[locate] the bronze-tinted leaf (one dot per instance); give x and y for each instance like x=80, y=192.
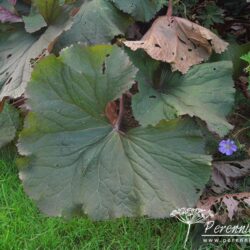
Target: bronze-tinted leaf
x=226, y=175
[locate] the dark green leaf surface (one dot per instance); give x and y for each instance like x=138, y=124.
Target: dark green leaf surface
x=97, y=22
x=206, y=91
x=141, y=10
x=9, y=121
x=76, y=161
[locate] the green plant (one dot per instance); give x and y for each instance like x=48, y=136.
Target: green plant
x=207, y=13
x=111, y=132
x=210, y=15
x=246, y=58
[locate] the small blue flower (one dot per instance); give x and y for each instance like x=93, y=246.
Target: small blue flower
x=227, y=147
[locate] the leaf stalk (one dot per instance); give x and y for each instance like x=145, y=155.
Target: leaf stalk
x=170, y=8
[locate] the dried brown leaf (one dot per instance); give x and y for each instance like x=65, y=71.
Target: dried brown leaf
x=179, y=42
x=232, y=206
x=226, y=175
x=230, y=201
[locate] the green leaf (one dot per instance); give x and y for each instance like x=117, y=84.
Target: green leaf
x=49, y=9
x=15, y=65
x=9, y=122
x=19, y=51
x=77, y=162
x=211, y=15
x=34, y=22
x=246, y=57
x=97, y=22
x=233, y=53
x=141, y=10
x=206, y=91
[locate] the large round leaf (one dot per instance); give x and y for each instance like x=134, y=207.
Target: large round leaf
x=206, y=91
x=77, y=162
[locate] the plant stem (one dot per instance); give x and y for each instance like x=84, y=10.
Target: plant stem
x=240, y=131
x=242, y=116
x=121, y=112
x=186, y=239
x=170, y=8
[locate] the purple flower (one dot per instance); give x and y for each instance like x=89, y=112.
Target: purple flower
x=227, y=147
x=7, y=16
